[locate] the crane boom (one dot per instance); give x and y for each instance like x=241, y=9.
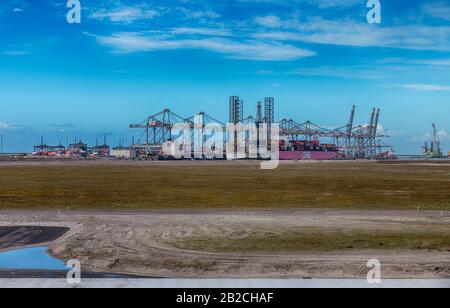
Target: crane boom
x=350, y=123
x=437, y=141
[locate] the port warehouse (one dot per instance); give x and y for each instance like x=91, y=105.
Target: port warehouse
x=298, y=140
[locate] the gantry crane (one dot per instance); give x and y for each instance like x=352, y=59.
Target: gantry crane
x=437, y=142
x=434, y=150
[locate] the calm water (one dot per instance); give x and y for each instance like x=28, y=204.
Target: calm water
x=30, y=258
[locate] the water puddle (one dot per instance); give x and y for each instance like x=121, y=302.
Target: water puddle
x=30, y=259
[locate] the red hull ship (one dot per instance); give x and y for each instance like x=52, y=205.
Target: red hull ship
x=307, y=150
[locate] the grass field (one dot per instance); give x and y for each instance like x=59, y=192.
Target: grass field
x=373, y=186
x=319, y=242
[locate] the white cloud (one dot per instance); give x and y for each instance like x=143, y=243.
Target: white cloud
x=437, y=10
x=125, y=14
x=15, y=53
x=203, y=14
x=419, y=62
x=128, y=42
x=269, y=21
x=424, y=87
x=428, y=137
x=201, y=31
x=350, y=33
x=438, y=62
x=10, y=128
x=423, y=138
x=443, y=134
x=198, y=14
x=17, y=10
x=322, y=4
x=325, y=4
x=350, y=72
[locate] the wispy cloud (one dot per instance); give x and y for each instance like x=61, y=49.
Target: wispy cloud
x=269, y=21
x=200, y=14
x=287, y=29
x=440, y=10
x=127, y=42
x=317, y=30
x=348, y=72
x=201, y=31
x=443, y=136
x=11, y=128
x=424, y=87
x=430, y=62
x=15, y=53
x=125, y=14
x=4, y=125
x=322, y=4
x=435, y=62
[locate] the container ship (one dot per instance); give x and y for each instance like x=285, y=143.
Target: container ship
x=307, y=150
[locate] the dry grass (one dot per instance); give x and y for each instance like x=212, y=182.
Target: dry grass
x=291, y=242
x=225, y=186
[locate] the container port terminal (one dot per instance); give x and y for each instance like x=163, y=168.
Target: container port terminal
x=297, y=141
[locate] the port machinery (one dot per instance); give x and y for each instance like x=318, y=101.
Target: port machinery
x=304, y=139
x=435, y=149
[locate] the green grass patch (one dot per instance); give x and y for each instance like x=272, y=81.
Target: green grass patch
x=233, y=186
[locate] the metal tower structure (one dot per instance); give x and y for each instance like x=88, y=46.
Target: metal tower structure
x=362, y=141
x=349, y=131
x=269, y=118
x=437, y=142
x=158, y=127
x=258, y=113
x=236, y=110
x=236, y=117
x=269, y=110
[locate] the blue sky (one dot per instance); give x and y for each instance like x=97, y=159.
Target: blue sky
x=129, y=59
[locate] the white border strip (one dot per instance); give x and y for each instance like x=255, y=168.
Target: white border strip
x=221, y=283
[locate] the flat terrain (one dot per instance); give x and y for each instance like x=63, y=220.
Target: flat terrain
x=233, y=220
x=264, y=244
x=224, y=185
x=40, y=274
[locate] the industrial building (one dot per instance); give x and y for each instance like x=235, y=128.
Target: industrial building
x=99, y=150
x=122, y=152
x=49, y=150
x=78, y=149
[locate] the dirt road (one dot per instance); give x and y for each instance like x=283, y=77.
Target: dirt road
x=154, y=244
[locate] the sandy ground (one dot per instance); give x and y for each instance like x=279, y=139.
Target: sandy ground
x=140, y=243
